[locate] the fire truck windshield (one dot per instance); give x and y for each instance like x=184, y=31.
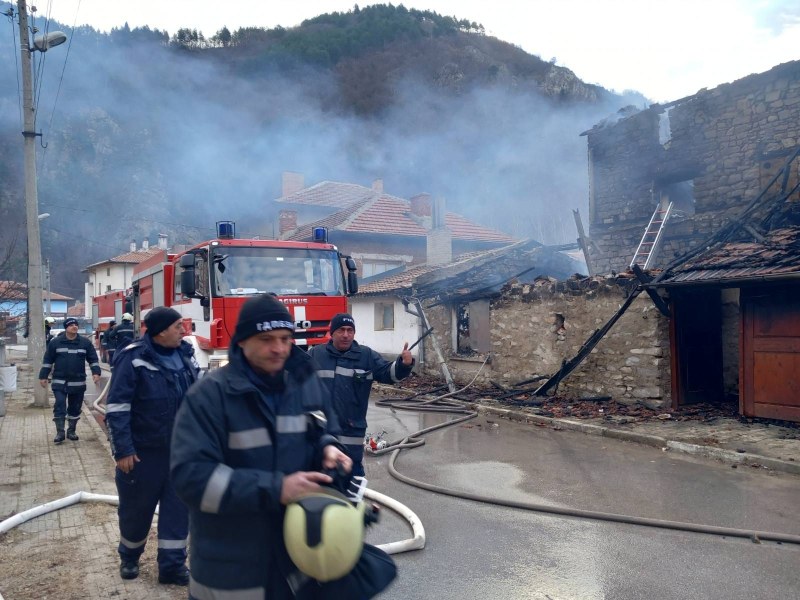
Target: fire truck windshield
x=238, y=271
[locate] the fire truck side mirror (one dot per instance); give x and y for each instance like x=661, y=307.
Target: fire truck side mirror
x=352, y=279
x=187, y=276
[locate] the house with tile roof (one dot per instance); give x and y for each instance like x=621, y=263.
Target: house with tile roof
x=14, y=300
x=380, y=231
x=114, y=274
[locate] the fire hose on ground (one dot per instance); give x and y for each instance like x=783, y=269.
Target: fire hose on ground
x=452, y=406
x=416, y=542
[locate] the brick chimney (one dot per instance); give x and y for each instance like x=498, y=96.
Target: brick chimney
x=291, y=183
x=162, y=241
x=133, y=246
x=377, y=185
x=439, y=240
x=287, y=221
x=421, y=205
x=146, y=245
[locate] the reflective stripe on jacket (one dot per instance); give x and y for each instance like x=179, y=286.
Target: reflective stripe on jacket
x=348, y=377
x=66, y=359
x=144, y=397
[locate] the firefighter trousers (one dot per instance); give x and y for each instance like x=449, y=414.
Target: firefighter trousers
x=139, y=491
x=68, y=404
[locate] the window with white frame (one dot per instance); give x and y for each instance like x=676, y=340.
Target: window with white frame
x=384, y=316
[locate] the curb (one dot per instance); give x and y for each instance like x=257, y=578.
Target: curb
x=720, y=454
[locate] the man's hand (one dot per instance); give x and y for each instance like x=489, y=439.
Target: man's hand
x=406, y=357
x=332, y=457
x=43, y=383
x=301, y=482
x=95, y=378
x=126, y=463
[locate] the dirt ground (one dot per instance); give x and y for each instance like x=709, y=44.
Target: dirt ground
x=75, y=562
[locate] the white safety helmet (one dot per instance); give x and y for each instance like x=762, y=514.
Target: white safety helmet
x=127, y=317
x=50, y=320
x=324, y=534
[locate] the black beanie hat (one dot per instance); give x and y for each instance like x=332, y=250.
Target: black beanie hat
x=159, y=319
x=341, y=320
x=70, y=321
x=262, y=313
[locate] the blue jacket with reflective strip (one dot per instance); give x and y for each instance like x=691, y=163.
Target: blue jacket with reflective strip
x=67, y=360
x=144, y=397
x=348, y=377
x=231, y=447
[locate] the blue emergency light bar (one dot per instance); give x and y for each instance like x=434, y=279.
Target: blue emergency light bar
x=226, y=230
x=321, y=235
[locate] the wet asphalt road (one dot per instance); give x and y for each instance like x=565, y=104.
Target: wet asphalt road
x=480, y=551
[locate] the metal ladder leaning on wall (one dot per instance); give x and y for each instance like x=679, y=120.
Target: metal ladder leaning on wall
x=651, y=240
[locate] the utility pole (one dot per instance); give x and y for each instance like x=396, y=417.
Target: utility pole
x=35, y=304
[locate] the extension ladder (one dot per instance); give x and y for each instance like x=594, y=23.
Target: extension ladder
x=652, y=237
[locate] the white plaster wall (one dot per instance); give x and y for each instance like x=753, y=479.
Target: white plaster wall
x=119, y=280
x=388, y=343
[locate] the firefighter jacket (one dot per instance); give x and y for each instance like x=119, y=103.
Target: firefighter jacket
x=145, y=396
x=120, y=336
x=66, y=358
x=348, y=377
x=234, y=441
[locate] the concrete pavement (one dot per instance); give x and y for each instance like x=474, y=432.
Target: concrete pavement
x=71, y=553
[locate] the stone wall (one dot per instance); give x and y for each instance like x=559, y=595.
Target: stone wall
x=728, y=142
x=536, y=327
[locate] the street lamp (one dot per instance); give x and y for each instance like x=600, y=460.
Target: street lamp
x=35, y=305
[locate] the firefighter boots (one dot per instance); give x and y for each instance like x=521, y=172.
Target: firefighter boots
x=178, y=577
x=129, y=569
x=71, y=435
x=59, y=431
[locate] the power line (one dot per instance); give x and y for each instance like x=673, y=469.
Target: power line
x=10, y=15
x=61, y=78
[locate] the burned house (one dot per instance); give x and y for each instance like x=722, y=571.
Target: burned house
x=705, y=157
x=703, y=194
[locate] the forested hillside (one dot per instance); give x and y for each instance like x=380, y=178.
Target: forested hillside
x=148, y=132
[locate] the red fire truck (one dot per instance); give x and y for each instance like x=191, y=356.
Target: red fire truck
x=209, y=282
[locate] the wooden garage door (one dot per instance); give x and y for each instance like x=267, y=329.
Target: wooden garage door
x=770, y=365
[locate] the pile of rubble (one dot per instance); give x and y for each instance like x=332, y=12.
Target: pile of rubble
x=563, y=407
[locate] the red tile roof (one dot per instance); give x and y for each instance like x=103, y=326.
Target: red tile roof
x=331, y=194
x=389, y=215
x=133, y=258
x=77, y=310
x=14, y=290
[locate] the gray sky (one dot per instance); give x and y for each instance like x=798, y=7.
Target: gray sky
x=666, y=49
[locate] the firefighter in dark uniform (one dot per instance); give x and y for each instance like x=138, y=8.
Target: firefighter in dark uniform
x=66, y=356
x=151, y=376
x=120, y=336
x=348, y=370
x=246, y=444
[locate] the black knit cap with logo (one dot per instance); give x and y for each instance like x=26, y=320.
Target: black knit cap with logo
x=159, y=319
x=341, y=320
x=261, y=313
